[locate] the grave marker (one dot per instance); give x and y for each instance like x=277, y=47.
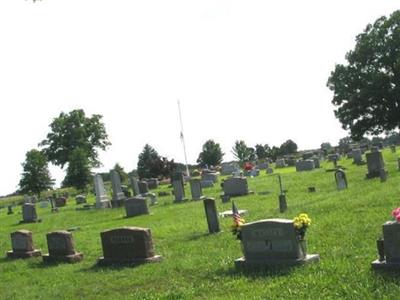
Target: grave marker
x=134, y=185
x=102, y=200
x=22, y=245
x=118, y=196
x=341, y=180
x=195, y=189
x=389, y=248
x=61, y=248
x=211, y=215
x=136, y=206
x=29, y=213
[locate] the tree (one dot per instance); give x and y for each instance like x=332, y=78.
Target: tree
x=150, y=164
x=75, y=130
x=262, y=152
x=78, y=171
x=288, y=147
x=240, y=151
x=36, y=176
x=344, y=144
x=211, y=154
x=367, y=89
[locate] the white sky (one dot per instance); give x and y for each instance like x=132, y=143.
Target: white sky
x=251, y=70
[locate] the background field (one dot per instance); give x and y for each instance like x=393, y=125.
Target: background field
x=345, y=226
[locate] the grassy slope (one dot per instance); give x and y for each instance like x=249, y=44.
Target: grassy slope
x=196, y=265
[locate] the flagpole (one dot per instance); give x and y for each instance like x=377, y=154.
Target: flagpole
x=182, y=138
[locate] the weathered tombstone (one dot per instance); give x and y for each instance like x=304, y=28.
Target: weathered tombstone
x=280, y=163
x=210, y=176
x=9, y=210
x=134, y=185
x=272, y=242
x=152, y=183
x=305, y=165
x=307, y=155
x=317, y=162
x=60, y=201
x=61, y=248
x=211, y=215
x=178, y=186
x=235, y=186
x=27, y=199
x=29, y=213
x=389, y=248
x=252, y=172
x=129, y=245
x=80, y=199
x=102, y=200
x=136, y=206
x=229, y=168
x=53, y=206
x=153, y=198
x=118, y=196
x=143, y=187
x=375, y=164
x=357, y=156
x=270, y=171
x=44, y=204
x=195, y=189
x=263, y=166
x=206, y=183
x=341, y=180
x=22, y=245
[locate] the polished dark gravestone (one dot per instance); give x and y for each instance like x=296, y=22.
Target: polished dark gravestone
x=127, y=245
x=61, y=248
x=389, y=247
x=211, y=215
x=22, y=245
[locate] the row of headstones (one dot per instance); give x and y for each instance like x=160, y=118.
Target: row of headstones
x=132, y=245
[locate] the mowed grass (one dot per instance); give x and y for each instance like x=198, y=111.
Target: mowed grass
x=196, y=265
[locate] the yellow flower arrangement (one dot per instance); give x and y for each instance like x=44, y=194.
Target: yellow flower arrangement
x=301, y=222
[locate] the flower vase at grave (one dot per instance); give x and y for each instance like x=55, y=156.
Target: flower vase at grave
x=302, y=248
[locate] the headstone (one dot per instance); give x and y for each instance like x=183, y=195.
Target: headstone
x=317, y=162
x=252, y=172
x=136, y=206
x=280, y=163
x=53, y=206
x=102, y=200
x=143, y=187
x=305, y=165
x=375, y=164
x=390, y=258
x=61, y=248
x=153, y=198
x=44, y=204
x=211, y=215
x=307, y=155
x=195, y=189
x=272, y=242
x=263, y=166
x=118, y=196
x=29, y=213
x=334, y=157
x=357, y=156
x=236, y=186
x=80, y=199
x=129, y=245
x=210, y=176
x=178, y=186
x=22, y=245
x=206, y=183
x=134, y=185
x=270, y=171
x=9, y=210
x=341, y=180
x=126, y=191
x=229, y=168
x=60, y=201
x=152, y=183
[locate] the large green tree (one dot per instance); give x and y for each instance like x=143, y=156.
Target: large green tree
x=367, y=88
x=150, y=164
x=36, y=176
x=242, y=152
x=78, y=170
x=288, y=147
x=75, y=130
x=211, y=154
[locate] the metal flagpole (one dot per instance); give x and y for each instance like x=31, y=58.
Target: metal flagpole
x=182, y=138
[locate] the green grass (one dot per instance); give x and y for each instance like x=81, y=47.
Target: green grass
x=345, y=226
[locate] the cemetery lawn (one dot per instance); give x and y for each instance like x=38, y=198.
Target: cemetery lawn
x=196, y=265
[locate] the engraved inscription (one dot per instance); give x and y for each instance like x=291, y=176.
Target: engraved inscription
x=19, y=243
x=267, y=232
x=121, y=239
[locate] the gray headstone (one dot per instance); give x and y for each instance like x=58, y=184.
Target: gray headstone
x=118, y=195
x=44, y=204
x=195, y=189
x=229, y=168
x=134, y=185
x=272, y=242
x=22, y=245
x=61, y=247
x=143, y=187
x=280, y=163
x=305, y=165
x=341, y=180
x=357, y=156
x=80, y=199
x=210, y=176
x=179, y=191
x=375, y=164
x=136, y=206
x=207, y=183
x=211, y=215
x=102, y=200
x=236, y=186
x=152, y=183
x=29, y=213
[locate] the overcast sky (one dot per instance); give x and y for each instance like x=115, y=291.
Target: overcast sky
x=251, y=70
